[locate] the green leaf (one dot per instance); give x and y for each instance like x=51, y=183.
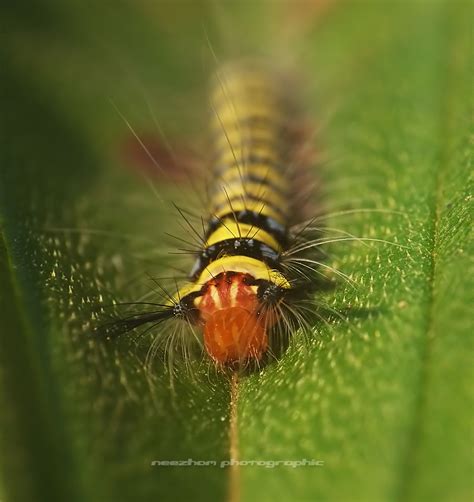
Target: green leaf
x=381, y=398
x=378, y=392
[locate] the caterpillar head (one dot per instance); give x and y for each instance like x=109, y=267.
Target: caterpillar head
x=235, y=318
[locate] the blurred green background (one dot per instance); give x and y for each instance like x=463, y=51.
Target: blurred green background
x=382, y=394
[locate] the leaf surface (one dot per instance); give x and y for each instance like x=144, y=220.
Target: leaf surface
x=378, y=393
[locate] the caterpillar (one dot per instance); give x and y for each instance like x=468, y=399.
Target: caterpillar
x=247, y=279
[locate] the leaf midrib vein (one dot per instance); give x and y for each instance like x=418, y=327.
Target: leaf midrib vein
x=410, y=459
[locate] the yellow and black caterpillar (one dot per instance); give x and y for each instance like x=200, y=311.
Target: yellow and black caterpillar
x=251, y=265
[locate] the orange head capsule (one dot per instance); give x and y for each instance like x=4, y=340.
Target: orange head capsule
x=234, y=334
x=234, y=328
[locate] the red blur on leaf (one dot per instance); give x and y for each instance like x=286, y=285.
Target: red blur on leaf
x=156, y=159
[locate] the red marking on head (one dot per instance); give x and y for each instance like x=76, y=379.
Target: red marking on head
x=234, y=328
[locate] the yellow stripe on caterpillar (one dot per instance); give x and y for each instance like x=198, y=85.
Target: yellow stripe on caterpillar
x=250, y=190
x=259, y=207
x=245, y=265
x=230, y=229
x=257, y=170
x=237, y=138
x=240, y=264
x=233, y=115
x=230, y=83
x=233, y=155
